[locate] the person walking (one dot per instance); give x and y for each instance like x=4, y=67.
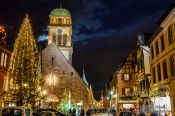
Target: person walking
x=73, y=112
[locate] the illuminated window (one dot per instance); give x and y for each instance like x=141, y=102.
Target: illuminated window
x=53, y=21
x=59, y=21
x=3, y=59
x=172, y=65
x=126, y=77
x=127, y=91
x=67, y=21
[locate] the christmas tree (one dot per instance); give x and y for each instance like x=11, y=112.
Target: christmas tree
x=63, y=106
x=24, y=68
x=91, y=99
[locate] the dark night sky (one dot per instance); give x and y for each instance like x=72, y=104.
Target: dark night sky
x=103, y=30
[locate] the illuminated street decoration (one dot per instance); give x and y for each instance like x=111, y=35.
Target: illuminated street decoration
x=91, y=99
x=24, y=69
x=52, y=79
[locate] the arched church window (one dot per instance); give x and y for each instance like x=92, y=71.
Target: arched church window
x=64, y=39
x=59, y=39
x=67, y=21
x=59, y=21
x=54, y=38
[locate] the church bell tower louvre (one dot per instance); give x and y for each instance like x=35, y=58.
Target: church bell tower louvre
x=60, y=32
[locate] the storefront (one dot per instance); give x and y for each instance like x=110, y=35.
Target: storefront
x=6, y=99
x=160, y=102
x=127, y=104
x=6, y=102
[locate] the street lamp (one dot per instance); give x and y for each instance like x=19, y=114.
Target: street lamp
x=107, y=98
x=25, y=85
x=44, y=92
x=111, y=93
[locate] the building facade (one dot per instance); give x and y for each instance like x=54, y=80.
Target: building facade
x=162, y=60
x=126, y=83
x=4, y=61
x=60, y=31
x=142, y=71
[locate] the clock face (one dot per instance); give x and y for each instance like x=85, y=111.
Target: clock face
x=59, y=31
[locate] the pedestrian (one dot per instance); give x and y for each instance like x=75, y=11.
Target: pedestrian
x=82, y=112
x=108, y=111
x=88, y=113
x=73, y=112
x=113, y=112
x=70, y=112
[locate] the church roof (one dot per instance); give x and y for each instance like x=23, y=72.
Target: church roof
x=63, y=74
x=60, y=12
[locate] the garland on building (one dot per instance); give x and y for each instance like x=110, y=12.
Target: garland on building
x=24, y=68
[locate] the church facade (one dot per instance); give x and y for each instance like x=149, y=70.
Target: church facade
x=57, y=71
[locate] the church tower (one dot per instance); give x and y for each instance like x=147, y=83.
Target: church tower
x=60, y=32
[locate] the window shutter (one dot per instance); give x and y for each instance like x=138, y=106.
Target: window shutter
x=122, y=76
x=130, y=76
x=123, y=91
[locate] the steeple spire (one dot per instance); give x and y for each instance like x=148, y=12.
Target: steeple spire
x=84, y=77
